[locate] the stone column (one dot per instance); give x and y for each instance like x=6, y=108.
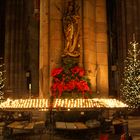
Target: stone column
x=14, y=49
x=44, y=49
x=32, y=37
x=89, y=48
x=102, y=47
x=95, y=57
x=50, y=42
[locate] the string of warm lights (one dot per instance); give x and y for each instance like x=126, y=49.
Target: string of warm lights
x=2, y=78
x=130, y=86
x=61, y=103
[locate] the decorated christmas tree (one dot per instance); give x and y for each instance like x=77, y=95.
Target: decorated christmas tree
x=2, y=79
x=130, y=86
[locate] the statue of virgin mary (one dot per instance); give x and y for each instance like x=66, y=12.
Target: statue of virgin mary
x=71, y=31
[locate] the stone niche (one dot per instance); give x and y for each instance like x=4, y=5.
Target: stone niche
x=93, y=42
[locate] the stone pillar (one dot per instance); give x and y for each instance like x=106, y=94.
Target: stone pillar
x=50, y=42
x=14, y=49
x=56, y=35
x=44, y=49
x=32, y=37
x=88, y=46
x=102, y=47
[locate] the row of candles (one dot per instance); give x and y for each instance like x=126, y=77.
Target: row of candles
x=25, y=103
x=88, y=103
x=76, y=103
x=62, y=103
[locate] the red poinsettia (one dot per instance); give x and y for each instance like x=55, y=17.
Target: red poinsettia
x=56, y=71
x=69, y=80
x=78, y=70
x=82, y=86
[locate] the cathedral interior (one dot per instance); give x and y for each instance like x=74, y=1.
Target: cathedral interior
x=23, y=38
x=34, y=41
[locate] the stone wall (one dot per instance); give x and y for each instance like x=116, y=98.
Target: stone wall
x=93, y=41
x=21, y=49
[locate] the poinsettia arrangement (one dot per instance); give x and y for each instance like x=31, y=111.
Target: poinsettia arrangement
x=70, y=80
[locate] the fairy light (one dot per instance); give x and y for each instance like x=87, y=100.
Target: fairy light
x=130, y=86
x=2, y=78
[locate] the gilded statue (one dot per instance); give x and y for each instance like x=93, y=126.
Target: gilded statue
x=71, y=30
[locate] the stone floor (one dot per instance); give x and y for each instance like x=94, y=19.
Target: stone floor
x=134, y=129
